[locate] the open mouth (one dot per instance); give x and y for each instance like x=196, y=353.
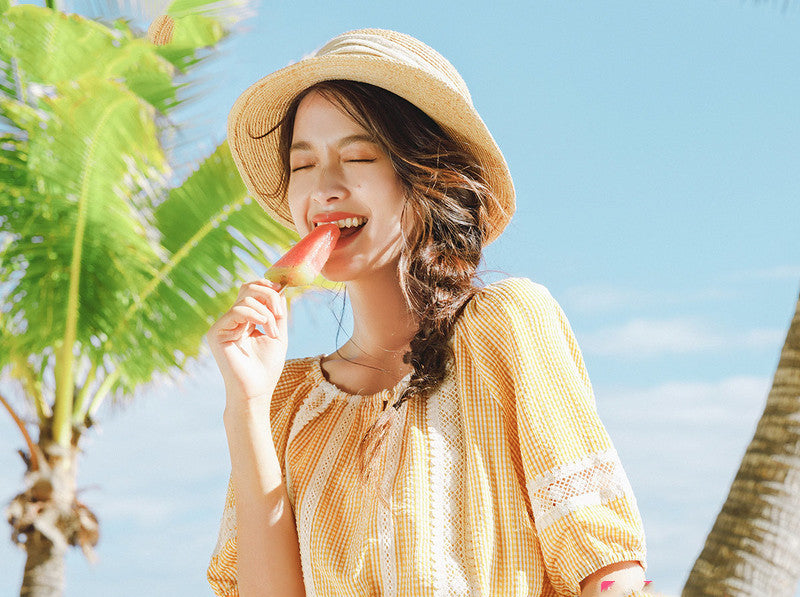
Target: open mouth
x=349, y=226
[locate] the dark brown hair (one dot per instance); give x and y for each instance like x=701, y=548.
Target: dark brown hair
x=446, y=201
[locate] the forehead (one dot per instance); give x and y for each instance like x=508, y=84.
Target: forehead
x=319, y=116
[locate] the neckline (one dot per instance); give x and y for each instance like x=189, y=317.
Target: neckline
x=385, y=394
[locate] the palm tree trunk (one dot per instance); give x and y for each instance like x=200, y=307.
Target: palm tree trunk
x=754, y=545
x=50, y=519
x=44, y=567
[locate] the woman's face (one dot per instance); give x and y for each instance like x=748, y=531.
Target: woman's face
x=339, y=174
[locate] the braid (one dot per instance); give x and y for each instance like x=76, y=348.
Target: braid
x=447, y=205
x=438, y=267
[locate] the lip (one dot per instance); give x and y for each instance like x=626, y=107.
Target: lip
x=333, y=216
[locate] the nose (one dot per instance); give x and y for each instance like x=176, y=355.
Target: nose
x=329, y=185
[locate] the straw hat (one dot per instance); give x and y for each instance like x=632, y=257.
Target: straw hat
x=394, y=61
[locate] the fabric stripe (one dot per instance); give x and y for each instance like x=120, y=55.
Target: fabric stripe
x=504, y=482
x=307, y=511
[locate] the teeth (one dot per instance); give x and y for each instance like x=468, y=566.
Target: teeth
x=349, y=222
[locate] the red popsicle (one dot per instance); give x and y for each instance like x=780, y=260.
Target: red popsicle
x=302, y=263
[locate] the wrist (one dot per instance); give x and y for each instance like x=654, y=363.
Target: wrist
x=242, y=408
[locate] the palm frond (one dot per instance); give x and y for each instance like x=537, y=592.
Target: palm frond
x=144, y=11
x=51, y=50
x=95, y=254
x=227, y=12
x=80, y=223
x=205, y=225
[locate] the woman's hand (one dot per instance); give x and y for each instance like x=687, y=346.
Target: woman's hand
x=267, y=552
x=251, y=361
x=622, y=579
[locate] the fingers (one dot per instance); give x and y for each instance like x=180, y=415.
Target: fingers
x=238, y=330
x=267, y=293
x=258, y=285
x=258, y=303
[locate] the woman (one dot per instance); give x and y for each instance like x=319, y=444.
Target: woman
x=451, y=445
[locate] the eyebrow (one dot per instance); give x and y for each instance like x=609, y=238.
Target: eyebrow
x=304, y=145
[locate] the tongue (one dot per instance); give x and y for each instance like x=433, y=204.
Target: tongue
x=345, y=232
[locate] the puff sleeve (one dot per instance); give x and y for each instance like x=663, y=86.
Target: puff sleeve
x=290, y=391
x=585, y=513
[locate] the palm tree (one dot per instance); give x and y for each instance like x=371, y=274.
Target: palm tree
x=754, y=545
x=109, y=275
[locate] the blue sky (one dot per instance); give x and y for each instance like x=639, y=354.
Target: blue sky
x=654, y=148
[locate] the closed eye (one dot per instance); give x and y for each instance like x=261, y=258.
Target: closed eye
x=362, y=160
x=297, y=168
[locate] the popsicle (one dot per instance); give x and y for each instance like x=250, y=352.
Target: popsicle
x=302, y=263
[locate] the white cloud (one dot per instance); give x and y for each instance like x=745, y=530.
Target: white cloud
x=681, y=443
x=604, y=298
x=719, y=402
x=679, y=335
x=598, y=298
x=779, y=272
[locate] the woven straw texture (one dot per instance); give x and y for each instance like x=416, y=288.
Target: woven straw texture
x=394, y=61
x=161, y=30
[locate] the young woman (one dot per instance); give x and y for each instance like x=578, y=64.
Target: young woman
x=451, y=446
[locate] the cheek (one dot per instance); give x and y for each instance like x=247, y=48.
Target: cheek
x=297, y=211
x=395, y=194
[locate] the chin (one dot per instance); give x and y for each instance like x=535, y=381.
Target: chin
x=351, y=270
x=338, y=274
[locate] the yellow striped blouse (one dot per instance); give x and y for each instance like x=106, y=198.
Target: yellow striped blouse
x=503, y=482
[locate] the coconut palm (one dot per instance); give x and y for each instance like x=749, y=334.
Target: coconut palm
x=109, y=274
x=754, y=546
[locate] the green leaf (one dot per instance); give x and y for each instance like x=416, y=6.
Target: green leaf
x=228, y=11
x=21, y=115
x=191, y=34
x=13, y=170
x=199, y=24
x=197, y=31
x=82, y=202
x=89, y=238
x=51, y=48
x=4, y=6
x=213, y=235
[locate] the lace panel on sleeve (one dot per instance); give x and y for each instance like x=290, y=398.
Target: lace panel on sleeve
x=594, y=480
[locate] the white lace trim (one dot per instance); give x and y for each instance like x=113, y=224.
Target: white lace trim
x=447, y=490
x=594, y=480
x=316, y=402
x=386, y=529
x=318, y=399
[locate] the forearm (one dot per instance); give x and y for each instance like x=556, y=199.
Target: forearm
x=627, y=577
x=268, y=551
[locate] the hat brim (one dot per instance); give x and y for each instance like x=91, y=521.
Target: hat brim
x=263, y=105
